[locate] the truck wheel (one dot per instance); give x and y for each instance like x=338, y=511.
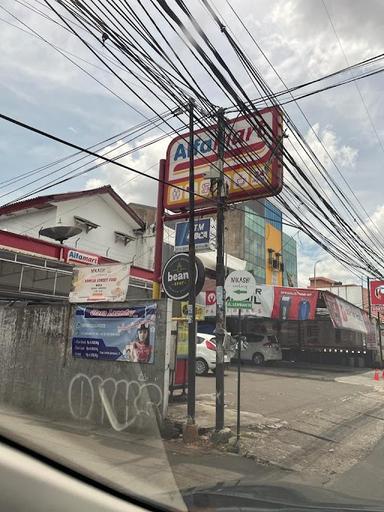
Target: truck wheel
x=258, y=359
x=201, y=367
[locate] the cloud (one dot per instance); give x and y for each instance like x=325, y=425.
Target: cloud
x=132, y=187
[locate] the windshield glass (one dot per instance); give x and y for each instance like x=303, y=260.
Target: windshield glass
x=191, y=247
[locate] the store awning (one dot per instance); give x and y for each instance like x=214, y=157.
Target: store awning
x=208, y=259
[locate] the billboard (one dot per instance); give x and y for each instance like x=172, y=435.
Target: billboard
x=278, y=303
x=115, y=334
x=294, y=304
x=244, y=148
x=376, y=290
x=345, y=315
x=101, y=283
x=204, y=235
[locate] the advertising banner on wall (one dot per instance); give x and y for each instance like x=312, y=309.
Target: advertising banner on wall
x=275, y=302
x=294, y=303
x=101, y=283
x=345, y=315
x=116, y=334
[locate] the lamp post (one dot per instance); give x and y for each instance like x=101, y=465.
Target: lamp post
x=314, y=272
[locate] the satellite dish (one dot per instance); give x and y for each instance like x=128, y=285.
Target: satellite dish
x=60, y=232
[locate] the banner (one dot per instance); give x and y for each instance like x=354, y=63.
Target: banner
x=182, y=339
x=345, y=315
x=117, y=334
x=372, y=339
x=274, y=302
x=101, y=283
x=262, y=303
x=294, y=303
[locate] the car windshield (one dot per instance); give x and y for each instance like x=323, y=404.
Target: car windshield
x=192, y=249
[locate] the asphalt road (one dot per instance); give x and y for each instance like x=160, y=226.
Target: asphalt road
x=321, y=429
x=275, y=395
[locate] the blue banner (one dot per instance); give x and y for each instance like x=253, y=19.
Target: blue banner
x=202, y=235
x=116, y=334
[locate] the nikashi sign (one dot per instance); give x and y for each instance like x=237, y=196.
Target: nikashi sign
x=244, y=140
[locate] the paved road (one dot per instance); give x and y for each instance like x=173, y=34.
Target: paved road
x=321, y=428
x=277, y=395
x=295, y=430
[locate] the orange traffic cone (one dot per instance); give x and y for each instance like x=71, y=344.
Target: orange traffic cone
x=376, y=376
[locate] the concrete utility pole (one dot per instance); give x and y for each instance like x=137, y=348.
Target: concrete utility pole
x=192, y=275
x=220, y=275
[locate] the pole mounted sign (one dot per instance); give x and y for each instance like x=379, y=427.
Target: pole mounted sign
x=377, y=296
x=176, y=276
x=240, y=285
x=251, y=166
x=204, y=235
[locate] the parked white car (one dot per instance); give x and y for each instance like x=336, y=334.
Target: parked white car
x=261, y=348
x=206, y=354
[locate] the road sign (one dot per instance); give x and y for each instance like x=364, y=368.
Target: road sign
x=239, y=304
x=251, y=166
x=175, y=276
x=204, y=234
x=240, y=285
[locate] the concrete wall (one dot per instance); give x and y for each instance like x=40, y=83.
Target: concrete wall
x=39, y=375
x=29, y=224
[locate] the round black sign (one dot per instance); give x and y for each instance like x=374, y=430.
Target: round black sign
x=176, y=276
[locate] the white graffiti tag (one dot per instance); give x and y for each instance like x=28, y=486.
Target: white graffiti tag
x=123, y=402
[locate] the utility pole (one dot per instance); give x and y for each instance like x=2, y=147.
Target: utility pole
x=192, y=275
x=369, y=297
x=220, y=275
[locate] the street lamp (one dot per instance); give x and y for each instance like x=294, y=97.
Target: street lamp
x=314, y=272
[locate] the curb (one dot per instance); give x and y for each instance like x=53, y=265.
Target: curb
x=289, y=376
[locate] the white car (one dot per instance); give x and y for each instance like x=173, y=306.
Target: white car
x=206, y=354
x=261, y=348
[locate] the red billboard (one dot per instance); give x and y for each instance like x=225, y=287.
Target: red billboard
x=258, y=173
x=294, y=303
x=376, y=289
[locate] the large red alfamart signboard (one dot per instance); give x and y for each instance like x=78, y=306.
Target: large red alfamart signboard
x=245, y=151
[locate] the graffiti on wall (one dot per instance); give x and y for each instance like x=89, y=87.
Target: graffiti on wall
x=124, y=403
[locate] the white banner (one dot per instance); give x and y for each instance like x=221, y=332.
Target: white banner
x=101, y=283
x=262, y=303
x=345, y=315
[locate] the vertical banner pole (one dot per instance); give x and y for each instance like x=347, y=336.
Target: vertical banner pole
x=238, y=379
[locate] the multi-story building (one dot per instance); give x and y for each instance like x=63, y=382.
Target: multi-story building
x=254, y=234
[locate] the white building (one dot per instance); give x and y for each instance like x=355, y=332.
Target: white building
x=109, y=227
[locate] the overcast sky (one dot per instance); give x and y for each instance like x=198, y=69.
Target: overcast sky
x=43, y=88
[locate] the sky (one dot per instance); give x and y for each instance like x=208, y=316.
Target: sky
x=303, y=39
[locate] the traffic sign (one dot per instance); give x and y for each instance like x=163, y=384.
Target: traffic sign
x=239, y=304
x=240, y=285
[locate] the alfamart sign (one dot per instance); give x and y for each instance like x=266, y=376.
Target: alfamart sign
x=257, y=173
x=81, y=257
